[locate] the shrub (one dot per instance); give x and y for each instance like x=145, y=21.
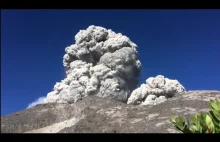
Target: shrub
x=204, y=122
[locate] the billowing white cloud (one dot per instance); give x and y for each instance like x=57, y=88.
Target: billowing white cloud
x=104, y=63
x=36, y=102
x=156, y=90
x=100, y=62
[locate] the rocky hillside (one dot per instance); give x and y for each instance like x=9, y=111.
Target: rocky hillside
x=101, y=115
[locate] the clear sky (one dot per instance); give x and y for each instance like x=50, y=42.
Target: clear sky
x=179, y=44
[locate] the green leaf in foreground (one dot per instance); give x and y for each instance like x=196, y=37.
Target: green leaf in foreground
x=204, y=122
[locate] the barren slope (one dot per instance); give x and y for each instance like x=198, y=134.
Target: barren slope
x=97, y=115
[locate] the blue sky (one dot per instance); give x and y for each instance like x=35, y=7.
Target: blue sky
x=179, y=44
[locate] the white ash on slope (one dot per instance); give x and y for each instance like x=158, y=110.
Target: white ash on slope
x=102, y=63
x=155, y=91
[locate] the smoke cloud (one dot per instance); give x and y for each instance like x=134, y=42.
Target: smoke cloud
x=155, y=91
x=101, y=63
x=105, y=64
x=40, y=100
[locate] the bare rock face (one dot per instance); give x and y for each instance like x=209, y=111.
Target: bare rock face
x=101, y=63
x=155, y=91
x=104, y=115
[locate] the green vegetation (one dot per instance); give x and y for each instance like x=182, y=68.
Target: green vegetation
x=204, y=122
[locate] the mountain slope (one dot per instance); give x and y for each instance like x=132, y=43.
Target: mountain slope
x=100, y=115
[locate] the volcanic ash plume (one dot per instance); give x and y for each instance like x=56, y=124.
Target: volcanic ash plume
x=155, y=91
x=100, y=63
